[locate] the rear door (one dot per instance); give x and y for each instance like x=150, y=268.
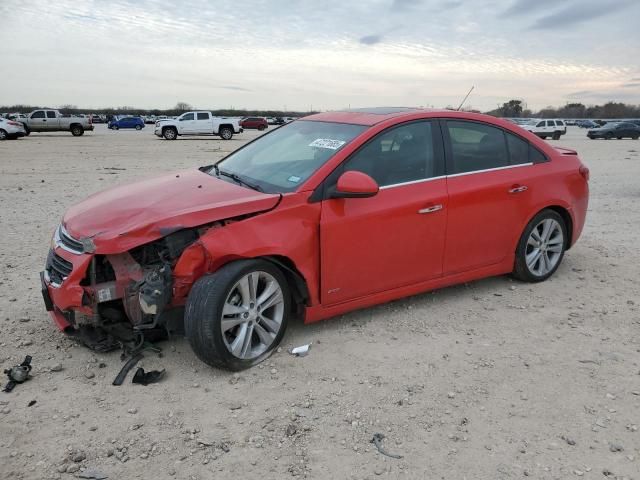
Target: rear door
x=52, y=121
x=489, y=193
x=203, y=123
x=395, y=238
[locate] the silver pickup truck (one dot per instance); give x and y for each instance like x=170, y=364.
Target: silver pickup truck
x=54, y=121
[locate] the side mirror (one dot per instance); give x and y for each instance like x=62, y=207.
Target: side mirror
x=354, y=184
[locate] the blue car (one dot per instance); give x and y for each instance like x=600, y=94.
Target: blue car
x=126, y=122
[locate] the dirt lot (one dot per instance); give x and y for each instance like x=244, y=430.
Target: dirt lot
x=491, y=380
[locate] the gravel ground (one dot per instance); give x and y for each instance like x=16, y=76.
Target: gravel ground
x=489, y=380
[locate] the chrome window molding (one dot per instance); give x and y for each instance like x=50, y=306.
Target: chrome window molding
x=453, y=175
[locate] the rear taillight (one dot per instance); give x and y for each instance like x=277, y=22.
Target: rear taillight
x=584, y=171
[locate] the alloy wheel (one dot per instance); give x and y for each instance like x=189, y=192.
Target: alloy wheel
x=252, y=315
x=544, y=247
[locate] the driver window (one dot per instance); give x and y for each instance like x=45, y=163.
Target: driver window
x=188, y=116
x=402, y=154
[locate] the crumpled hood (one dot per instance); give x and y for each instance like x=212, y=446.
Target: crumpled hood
x=124, y=217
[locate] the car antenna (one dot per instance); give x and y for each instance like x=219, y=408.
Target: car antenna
x=465, y=98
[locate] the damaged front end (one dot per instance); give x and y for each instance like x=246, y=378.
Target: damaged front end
x=143, y=288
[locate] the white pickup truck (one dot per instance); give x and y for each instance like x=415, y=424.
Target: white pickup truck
x=547, y=128
x=197, y=123
x=54, y=121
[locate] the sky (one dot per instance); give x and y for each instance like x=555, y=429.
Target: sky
x=318, y=55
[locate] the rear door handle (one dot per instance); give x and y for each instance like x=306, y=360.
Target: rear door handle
x=431, y=209
x=518, y=189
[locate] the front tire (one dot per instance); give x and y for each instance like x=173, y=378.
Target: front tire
x=3, y=134
x=541, y=247
x=261, y=127
x=226, y=133
x=170, y=133
x=237, y=316
x=27, y=132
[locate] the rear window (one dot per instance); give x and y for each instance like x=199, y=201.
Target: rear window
x=518, y=149
x=560, y=123
x=535, y=155
x=550, y=123
x=203, y=116
x=475, y=146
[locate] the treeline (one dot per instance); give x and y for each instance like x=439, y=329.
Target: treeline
x=510, y=109
x=179, y=109
x=515, y=109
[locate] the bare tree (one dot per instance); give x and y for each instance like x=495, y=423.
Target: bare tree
x=183, y=107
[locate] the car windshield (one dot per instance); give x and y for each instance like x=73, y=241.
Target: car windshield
x=283, y=159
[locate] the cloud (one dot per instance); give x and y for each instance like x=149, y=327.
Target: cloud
x=574, y=15
x=522, y=7
x=632, y=84
x=236, y=88
x=371, y=39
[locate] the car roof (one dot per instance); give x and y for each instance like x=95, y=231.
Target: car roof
x=373, y=116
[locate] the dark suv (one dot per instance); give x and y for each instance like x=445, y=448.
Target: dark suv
x=259, y=123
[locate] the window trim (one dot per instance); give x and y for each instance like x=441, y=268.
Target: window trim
x=449, y=158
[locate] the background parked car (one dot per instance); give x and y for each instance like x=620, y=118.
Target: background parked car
x=587, y=124
x=10, y=129
x=54, y=121
x=547, y=128
x=259, y=123
x=617, y=130
x=126, y=122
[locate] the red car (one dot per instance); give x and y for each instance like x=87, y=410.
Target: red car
x=259, y=123
x=328, y=214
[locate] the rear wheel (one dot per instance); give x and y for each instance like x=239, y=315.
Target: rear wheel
x=77, y=130
x=237, y=316
x=226, y=133
x=261, y=127
x=3, y=134
x=541, y=247
x=170, y=133
x=138, y=127
x=556, y=136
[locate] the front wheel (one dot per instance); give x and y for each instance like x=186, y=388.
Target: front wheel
x=170, y=133
x=77, y=131
x=261, y=127
x=226, y=133
x=541, y=247
x=3, y=134
x=27, y=132
x=237, y=316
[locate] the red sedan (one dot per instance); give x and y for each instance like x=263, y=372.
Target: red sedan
x=328, y=214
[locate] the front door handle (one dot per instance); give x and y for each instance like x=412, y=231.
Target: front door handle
x=518, y=189
x=431, y=209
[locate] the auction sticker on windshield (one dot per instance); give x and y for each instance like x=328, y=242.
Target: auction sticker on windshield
x=327, y=143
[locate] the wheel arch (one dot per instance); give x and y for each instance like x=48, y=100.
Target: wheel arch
x=75, y=124
x=564, y=212
x=225, y=125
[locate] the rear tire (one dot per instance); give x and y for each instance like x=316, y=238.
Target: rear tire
x=541, y=247
x=77, y=131
x=261, y=127
x=217, y=307
x=170, y=133
x=138, y=127
x=556, y=136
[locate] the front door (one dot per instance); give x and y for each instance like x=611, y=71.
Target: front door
x=395, y=238
x=38, y=121
x=186, y=123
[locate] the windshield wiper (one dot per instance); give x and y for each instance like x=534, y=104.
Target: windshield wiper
x=237, y=178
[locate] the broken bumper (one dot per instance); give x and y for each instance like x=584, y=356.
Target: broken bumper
x=62, y=293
